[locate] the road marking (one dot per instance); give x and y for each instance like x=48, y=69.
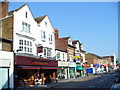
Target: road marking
x=101, y=80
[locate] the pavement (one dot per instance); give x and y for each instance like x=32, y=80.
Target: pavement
x=60, y=82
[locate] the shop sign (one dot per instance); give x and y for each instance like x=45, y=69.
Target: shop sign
x=23, y=60
x=96, y=65
x=89, y=70
x=62, y=63
x=80, y=68
x=40, y=63
x=40, y=49
x=78, y=65
x=58, y=56
x=72, y=64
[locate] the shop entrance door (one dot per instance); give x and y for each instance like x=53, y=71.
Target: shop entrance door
x=3, y=78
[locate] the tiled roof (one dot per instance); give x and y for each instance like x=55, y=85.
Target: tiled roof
x=11, y=12
x=39, y=19
x=61, y=44
x=92, y=55
x=66, y=38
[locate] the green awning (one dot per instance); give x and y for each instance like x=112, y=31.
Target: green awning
x=80, y=68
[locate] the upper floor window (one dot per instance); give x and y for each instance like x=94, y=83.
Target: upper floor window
x=43, y=35
x=26, y=14
x=25, y=27
x=25, y=45
x=49, y=52
x=50, y=38
x=45, y=23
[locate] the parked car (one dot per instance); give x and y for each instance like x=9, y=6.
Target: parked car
x=116, y=85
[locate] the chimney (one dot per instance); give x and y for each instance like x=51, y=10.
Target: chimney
x=3, y=8
x=56, y=33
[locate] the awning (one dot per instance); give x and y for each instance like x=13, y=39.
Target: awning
x=35, y=67
x=80, y=68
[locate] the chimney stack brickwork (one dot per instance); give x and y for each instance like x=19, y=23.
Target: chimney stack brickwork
x=3, y=9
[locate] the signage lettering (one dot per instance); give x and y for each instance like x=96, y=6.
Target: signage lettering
x=39, y=63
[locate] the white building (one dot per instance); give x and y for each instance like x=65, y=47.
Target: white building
x=24, y=35
x=45, y=37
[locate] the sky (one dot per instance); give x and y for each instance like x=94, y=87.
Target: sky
x=94, y=24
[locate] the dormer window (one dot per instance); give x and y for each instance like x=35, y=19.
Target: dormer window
x=70, y=42
x=26, y=15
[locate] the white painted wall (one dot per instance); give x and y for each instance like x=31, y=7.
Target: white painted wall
x=48, y=29
x=19, y=17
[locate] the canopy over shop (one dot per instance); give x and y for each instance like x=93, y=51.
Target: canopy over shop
x=30, y=68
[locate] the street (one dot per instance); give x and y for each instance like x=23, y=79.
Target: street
x=100, y=81
x=93, y=81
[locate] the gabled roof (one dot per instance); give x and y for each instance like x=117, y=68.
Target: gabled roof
x=61, y=44
x=39, y=19
x=11, y=12
x=20, y=7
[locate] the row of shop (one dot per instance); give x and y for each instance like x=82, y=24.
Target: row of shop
x=28, y=70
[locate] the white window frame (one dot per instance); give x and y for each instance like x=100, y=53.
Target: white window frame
x=25, y=27
x=25, y=45
x=50, y=38
x=43, y=35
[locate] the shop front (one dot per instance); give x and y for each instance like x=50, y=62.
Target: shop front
x=72, y=70
x=96, y=68
x=62, y=71
x=6, y=70
x=79, y=70
x=33, y=70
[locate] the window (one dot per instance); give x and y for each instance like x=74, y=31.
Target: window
x=21, y=42
x=45, y=23
x=63, y=56
x=70, y=42
x=50, y=38
x=25, y=49
x=26, y=15
x=25, y=45
x=30, y=43
x=25, y=27
x=49, y=53
x=44, y=52
x=71, y=57
x=43, y=35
